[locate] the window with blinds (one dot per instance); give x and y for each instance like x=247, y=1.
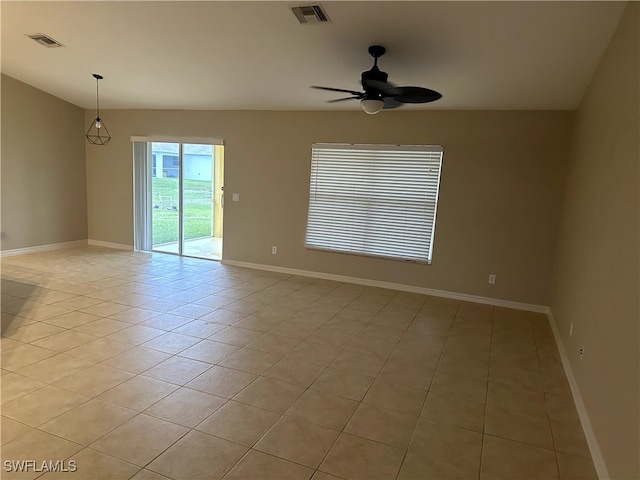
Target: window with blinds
x=375, y=200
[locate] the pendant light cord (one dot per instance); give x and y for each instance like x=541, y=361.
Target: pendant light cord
x=97, y=99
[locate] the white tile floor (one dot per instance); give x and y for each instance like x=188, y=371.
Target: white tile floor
x=152, y=366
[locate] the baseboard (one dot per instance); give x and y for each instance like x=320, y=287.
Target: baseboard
x=592, y=441
x=42, y=248
x=118, y=246
x=392, y=286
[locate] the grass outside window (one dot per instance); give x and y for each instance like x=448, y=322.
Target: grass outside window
x=197, y=204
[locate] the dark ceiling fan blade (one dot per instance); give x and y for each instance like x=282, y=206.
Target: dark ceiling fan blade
x=352, y=92
x=417, y=95
x=391, y=102
x=385, y=88
x=343, y=99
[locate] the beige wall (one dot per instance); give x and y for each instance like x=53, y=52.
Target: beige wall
x=597, y=286
x=44, y=196
x=502, y=180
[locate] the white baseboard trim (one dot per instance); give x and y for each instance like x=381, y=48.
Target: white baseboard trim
x=392, y=286
x=42, y=248
x=117, y=246
x=592, y=441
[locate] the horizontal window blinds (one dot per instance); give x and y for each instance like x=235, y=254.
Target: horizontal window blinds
x=377, y=200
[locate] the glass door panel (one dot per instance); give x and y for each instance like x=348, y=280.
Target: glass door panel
x=198, y=200
x=165, y=192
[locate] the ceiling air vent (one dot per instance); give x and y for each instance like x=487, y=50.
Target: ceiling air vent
x=45, y=40
x=310, y=14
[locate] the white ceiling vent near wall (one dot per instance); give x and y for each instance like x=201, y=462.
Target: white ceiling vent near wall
x=310, y=14
x=45, y=40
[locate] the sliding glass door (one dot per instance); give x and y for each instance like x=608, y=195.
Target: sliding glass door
x=179, y=198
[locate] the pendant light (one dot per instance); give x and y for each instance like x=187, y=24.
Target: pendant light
x=98, y=133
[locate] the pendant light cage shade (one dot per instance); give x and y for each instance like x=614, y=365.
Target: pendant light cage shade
x=97, y=134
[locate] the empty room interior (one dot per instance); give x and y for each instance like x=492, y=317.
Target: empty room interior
x=335, y=240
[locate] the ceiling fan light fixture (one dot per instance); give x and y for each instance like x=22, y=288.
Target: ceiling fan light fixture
x=97, y=134
x=380, y=93
x=371, y=105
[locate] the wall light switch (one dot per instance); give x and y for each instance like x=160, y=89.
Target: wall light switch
x=235, y=197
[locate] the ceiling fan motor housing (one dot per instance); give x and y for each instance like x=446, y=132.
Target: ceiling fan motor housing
x=374, y=74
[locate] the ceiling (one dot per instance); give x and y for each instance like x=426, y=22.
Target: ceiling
x=238, y=55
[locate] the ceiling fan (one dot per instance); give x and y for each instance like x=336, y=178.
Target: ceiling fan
x=379, y=93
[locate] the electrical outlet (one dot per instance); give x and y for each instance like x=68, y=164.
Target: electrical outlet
x=274, y=250
x=492, y=279
x=571, y=329
x=581, y=352
x=235, y=197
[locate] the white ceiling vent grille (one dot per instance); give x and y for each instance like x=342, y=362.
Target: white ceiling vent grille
x=45, y=40
x=310, y=14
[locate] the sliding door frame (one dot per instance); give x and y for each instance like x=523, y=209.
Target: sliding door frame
x=142, y=192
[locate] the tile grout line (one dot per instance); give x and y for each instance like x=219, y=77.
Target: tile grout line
x=486, y=402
